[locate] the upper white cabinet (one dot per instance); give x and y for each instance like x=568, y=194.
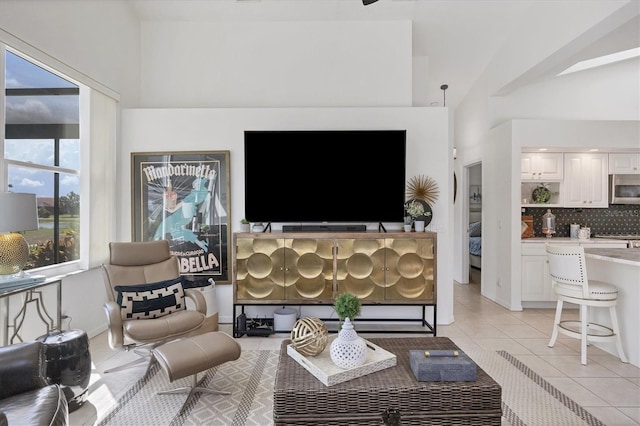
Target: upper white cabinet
x=624, y=163
x=586, y=180
x=541, y=166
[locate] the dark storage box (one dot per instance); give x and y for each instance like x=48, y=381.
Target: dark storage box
x=300, y=399
x=442, y=367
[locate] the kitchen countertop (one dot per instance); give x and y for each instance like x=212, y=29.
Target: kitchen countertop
x=627, y=256
x=571, y=240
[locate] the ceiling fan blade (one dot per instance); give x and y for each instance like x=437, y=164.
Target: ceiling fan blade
x=368, y=2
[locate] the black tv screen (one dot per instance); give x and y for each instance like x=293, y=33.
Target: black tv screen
x=324, y=176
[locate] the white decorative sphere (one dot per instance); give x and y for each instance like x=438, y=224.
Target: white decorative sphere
x=348, y=350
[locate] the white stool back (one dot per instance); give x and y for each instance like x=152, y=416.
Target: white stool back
x=568, y=272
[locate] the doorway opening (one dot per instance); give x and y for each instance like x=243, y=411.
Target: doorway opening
x=473, y=206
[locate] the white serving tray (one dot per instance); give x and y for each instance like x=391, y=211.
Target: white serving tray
x=330, y=374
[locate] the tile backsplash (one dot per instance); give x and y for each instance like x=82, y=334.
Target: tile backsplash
x=615, y=220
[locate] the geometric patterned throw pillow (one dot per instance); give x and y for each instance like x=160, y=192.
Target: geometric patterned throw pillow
x=475, y=229
x=154, y=300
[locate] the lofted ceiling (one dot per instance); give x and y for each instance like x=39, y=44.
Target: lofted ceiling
x=456, y=38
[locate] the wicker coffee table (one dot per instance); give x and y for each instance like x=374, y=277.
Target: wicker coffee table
x=380, y=398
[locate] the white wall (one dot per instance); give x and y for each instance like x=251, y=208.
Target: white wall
x=276, y=64
x=497, y=257
x=99, y=38
x=593, y=94
x=580, y=134
x=428, y=149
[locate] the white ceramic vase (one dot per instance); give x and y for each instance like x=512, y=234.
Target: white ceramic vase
x=419, y=225
x=348, y=350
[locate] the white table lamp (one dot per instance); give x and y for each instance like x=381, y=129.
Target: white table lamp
x=18, y=212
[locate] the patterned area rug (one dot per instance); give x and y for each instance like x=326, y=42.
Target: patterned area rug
x=250, y=380
x=527, y=399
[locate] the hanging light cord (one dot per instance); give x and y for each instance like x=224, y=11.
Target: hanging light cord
x=444, y=88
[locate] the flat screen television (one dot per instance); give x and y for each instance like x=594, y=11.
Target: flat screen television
x=325, y=176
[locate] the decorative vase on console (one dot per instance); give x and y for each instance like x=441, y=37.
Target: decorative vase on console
x=408, y=223
x=348, y=350
x=419, y=225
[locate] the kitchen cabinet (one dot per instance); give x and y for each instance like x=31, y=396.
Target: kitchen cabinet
x=586, y=178
x=536, y=283
x=541, y=166
x=535, y=279
x=624, y=163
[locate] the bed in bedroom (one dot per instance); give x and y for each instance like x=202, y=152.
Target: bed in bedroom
x=475, y=239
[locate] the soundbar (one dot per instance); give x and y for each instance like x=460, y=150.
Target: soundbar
x=324, y=228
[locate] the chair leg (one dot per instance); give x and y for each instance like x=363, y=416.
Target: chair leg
x=583, y=333
x=616, y=331
x=195, y=387
x=556, y=321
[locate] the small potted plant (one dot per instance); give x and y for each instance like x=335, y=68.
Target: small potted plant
x=347, y=305
x=244, y=225
x=347, y=350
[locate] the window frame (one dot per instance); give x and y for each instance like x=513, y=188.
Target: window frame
x=5, y=164
x=99, y=130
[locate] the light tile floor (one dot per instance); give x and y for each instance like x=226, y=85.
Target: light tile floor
x=607, y=388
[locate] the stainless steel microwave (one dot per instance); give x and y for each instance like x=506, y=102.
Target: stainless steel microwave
x=624, y=189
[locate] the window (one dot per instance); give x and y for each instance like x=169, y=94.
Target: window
x=42, y=155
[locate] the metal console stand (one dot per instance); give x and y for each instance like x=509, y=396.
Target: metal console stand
x=431, y=328
x=33, y=295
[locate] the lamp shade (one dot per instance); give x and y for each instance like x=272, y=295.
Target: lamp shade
x=18, y=212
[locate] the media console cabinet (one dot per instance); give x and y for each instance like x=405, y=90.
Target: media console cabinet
x=305, y=268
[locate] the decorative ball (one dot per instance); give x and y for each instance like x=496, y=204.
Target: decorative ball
x=309, y=336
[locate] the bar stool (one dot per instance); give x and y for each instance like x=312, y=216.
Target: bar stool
x=568, y=271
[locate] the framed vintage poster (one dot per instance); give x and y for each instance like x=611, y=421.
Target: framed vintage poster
x=184, y=197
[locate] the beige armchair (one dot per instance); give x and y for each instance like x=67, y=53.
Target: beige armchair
x=146, y=301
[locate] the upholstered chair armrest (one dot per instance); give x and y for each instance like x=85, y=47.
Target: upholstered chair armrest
x=198, y=299
x=114, y=320
x=21, y=368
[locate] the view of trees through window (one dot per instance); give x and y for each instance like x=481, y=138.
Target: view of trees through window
x=42, y=155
